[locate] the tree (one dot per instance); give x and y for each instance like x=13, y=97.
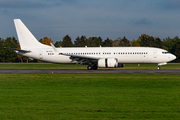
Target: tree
x=147, y=41
x=173, y=46
x=144, y=40
x=116, y=42
x=67, y=41
x=177, y=51
x=176, y=42
x=83, y=41
x=80, y=42
x=170, y=44
x=158, y=43
x=94, y=41
x=46, y=41
x=10, y=55
x=124, y=42
x=89, y=42
x=135, y=43
x=2, y=50
x=77, y=42
x=58, y=44
x=107, y=43
x=165, y=48
x=99, y=42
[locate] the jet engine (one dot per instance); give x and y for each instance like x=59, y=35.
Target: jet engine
x=108, y=63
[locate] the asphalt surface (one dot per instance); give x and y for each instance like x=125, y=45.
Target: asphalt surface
x=84, y=71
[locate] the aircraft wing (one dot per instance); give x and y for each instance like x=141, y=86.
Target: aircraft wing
x=81, y=59
x=25, y=51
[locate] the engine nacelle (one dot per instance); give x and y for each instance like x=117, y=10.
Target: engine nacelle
x=108, y=63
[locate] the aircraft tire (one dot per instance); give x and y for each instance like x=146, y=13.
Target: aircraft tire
x=158, y=68
x=89, y=67
x=94, y=67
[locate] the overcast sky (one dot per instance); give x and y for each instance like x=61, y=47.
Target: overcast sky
x=105, y=18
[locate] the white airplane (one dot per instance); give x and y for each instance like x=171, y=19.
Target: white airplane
x=94, y=57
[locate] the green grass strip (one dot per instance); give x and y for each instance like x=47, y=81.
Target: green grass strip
x=47, y=96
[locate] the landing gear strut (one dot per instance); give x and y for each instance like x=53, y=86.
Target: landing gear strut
x=90, y=67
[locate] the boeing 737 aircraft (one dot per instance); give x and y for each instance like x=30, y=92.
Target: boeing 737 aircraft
x=94, y=57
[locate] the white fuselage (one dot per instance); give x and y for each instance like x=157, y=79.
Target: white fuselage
x=123, y=54
x=94, y=57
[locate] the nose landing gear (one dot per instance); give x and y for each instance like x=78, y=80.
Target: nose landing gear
x=158, y=68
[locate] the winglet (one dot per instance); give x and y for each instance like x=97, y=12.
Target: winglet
x=54, y=48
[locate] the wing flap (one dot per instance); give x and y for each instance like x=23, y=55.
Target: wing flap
x=80, y=56
x=81, y=59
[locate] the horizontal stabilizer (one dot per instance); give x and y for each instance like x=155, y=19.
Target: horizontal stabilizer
x=26, y=51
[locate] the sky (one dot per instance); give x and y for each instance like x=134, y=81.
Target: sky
x=105, y=18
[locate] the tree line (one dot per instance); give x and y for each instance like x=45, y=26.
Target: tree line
x=170, y=44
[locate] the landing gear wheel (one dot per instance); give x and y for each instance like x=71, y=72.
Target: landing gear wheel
x=94, y=67
x=158, y=68
x=89, y=67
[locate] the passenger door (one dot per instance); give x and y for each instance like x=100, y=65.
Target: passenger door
x=41, y=54
x=155, y=53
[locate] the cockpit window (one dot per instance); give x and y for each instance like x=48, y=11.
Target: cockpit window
x=165, y=52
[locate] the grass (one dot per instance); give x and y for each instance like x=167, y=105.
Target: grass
x=40, y=66
x=101, y=97
x=74, y=66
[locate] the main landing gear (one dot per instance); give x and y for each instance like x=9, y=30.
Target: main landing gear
x=90, y=67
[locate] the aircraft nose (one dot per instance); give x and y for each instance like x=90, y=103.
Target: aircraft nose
x=173, y=57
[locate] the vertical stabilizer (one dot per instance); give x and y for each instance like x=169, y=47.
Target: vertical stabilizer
x=26, y=38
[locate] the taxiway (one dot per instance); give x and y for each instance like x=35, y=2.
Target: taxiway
x=82, y=71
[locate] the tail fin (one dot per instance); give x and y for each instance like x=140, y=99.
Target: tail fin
x=26, y=38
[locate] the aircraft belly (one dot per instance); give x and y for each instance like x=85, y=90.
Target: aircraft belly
x=58, y=59
x=160, y=60
x=133, y=59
